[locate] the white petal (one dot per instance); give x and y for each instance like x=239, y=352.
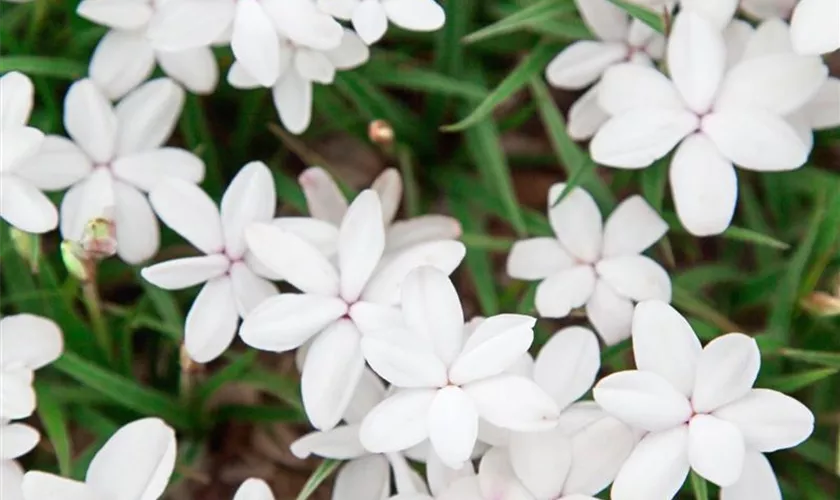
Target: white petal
x=432, y=309
x=823, y=110
x=567, y=364
x=321, y=234
x=757, y=481
x=737, y=36
x=664, y=343
x=21, y=143
x=330, y=374
x=385, y=285
x=813, y=29
x=399, y=422
x=190, y=212
x=415, y=15
x=11, y=480
x=196, y=69
x=363, y=478
x=657, y=467
x=598, y=452
x=404, y=360
x=370, y=391
x=558, y=294
x=250, y=197
x=769, y=420
x=726, y=371
x=715, y=449
x=91, y=198
x=44, y=486
x=582, y=63
x=145, y=170
x=293, y=99
x=586, y=115
x=284, y=322
x=255, y=42
x=576, y=221
x=361, y=241
x=642, y=399
x=119, y=14
x=18, y=439
x=770, y=37
x=541, y=460
x=249, y=290
x=696, y=59
x=375, y=318
x=137, y=231
x=719, y=12
x=314, y=65
x=351, y=53
x=610, y=313
x=58, y=164
x=239, y=78
x=636, y=276
x=537, y=258
x=24, y=207
x=370, y=21
x=211, y=322
x=16, y=98
x=323, y=197
x=18, y=395
x=253, y=489
x=29, y=341
x=136, y=462
x=513, y=402
x=497, y=479
x=441, y=477
x=90, y=120
x=606, y=20
x=121, y=61
x=340, y=9
x=453, y=426
x=639, y=137
x=756, y=139
x=632, y=86
x=303, y=23
x=188, y=24
x=632, y=227
x=185, y=272
x=422, y=229
x=498, y=343
x=704, y=186
x=388, y=185
x=148, y=115
x=294, y=259
x=780, y=83
x=340, y=443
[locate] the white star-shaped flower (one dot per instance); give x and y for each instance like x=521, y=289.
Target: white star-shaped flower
x=447, y=382
x=620, y=39
x=125, y=56
x=592, y=263
x=699, y=409
x=813, y=26
x=27, y=342
x=370, y=17
x=255, y=29
x=253, y=489
x=136, y=462
x=117, y=153
x=354, y=293
x=299, y=68
x=716, y=118
x=326, y=202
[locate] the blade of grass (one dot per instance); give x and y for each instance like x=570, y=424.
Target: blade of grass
x=699, y=487
x=523, y=18
x=321, y=474
x=477, y=259
x=422, y=80
x=53, y=67
x=828, y=359
x=799, y=381
x=55, y=424
x=643, y=14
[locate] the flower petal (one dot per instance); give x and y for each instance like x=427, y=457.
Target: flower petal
x=284, y=322
x=513, y=402
x=293, y=99
x=582, y=63
x=90, y=198
x=664, y=343
x=57, y=165
x=567, y=364
x=432, y=309
x=638, y=137
x=323, y=196
x=361, y=241
x=769, y=420
x=369, y=392
x=190, y=212
x=249, y=290
x=148, y=115
x=558, y=294
x=121, y=61
x=18, y=439
x=314, y=65
x=388, y=185
x=625, y=87
x=598, y=452
x=211, y=321
x=636, y=276
x=415, y=15
x=823, y=110
x=757, y=481
x=399, y=422
x=642, y=399
x=737, y=36
x=340, y=443
x=375, y=318
x=185, y=272
x=497, y=479
x=576, y=220
x=118, y=14
x=145, y=170
x=453, y=426
x=726, y=371
x=44, y=486
x=421, y=229
x=537, y=258
x=304, y=23
x=440, y=477
x=497, y=343
x=250, y=197
x=586, y=115
x=25, y=207
x=770, y=37
x=696, y=59
x=136, y=461
x=21, y=143
x=253, y=489
x=255, y=42
x=196, y=69
x=607, y=21
x=366, y=477
x=18, y=395
x=403, y=359
x=188, y=24
x=657, y=468
x=90, y=120
x=29, y=341
x=541, y=460
x=321, y=234
x=813, y=29
x=138, y=234
x=370, y=21
x=17, y=95
x=609, y=313
x=719, y=13
x=632, y=227
x=715, y=449
x=351, y=53
x=11, y=480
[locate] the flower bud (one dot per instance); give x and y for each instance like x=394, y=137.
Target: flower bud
x=99, y=240
x=28, y=246
x=380, y=132
x=75, y=260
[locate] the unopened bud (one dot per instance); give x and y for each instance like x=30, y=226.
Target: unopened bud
x=380, y=132
x=821, y=304
x=75, y=260
x=28, y=246
x=99, y=240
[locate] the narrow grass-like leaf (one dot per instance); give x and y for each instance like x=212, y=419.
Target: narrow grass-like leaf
x=699, y=487
x=643, y=14
x=477, y=259
x=53, y=67
x=828, y=359
x=522, y=18
x=733, y=233
x=688, y=302
x=423, y=80
x=196, y=130
x=262, y=414
x=799, y=381
x=487, y=242
x=230, y=373
x=283, y=388
x=321, y=474
x=55, y=424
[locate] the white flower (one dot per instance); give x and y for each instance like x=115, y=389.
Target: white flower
x=135, y=463
x=254, y=489
x=22, y=204
x=594, y=264
x=717, y=12
x=125, y=57
x=299, y=67
x=326, y=202
x=621, y=39
x=256, y=29
x=448, y=382
x=717, y=118
x=339, y=301
x=16, y=439
x=117, y=153
x=27, y=343
x=370, y=17
x=813, y=26
x=699, y=409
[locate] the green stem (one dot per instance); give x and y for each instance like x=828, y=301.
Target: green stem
x=90, y=296
x=700, y=487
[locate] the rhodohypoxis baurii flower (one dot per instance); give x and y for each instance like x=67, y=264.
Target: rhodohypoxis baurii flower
x=27, y=342
x=340, y=300
x=594, y=264
x=716, y=118
x=370, y=17
x=326, y=202
x=699, y=410
x=135, y=463
x=253, y=489
x=256, y=29
x=446, y=382
x=620, y=39
x=117, y=152
x=125, y=56
x=299, y=68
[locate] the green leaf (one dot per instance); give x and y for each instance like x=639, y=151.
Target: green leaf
x=423, y=80
x=320, y=475
x=283, y=388
x=123, y=391
x=533, y=64
x=829, y=359
x=643, y=14
x=196, y=130
x=55, y=424
x=573, y=182
x=654, y=179
x=526, y=17
x=257, y=413
x=699, y=487
x=799, y=381
x=750, y=236
x=477, y=259
x=230, y=373
x=54, y=67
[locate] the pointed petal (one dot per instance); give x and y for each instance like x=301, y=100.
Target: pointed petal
x=185, y=272
x=415, y=15
x=432, y=309
x=625, y=87
x=145, y=170
x=715, y=449
x=284, y=322
x=239, y=78
x=769, y=420
x=421, y=229
x=388, y=185
x=249, y=290
x=696, y=59
x=757, y=481
x=513, y=402
x=402, y=359
x=642, y=399
x=293, y=99
x=188, y=24
x=638, y=137
x=323, y=197
x=190, y=212
x=304, y=23
x=632, y=227
x=567, y=364
x=636, y=276
x=362, y=478
x=399, y=422
x=586, y=115
x=16, y=98
x=537, y=258
x=657, y=467
x=250, y=197
x=340, y=443
x=582, y=63
x=370, y=21
x=138, y=234
x=57, y=165
x=24, y=207
x=726, y=371
x=90, y=120
x=351, y=53
x=29, y=341
x=16, y=440
x=558, y=294
x=610, y=313
x=44, y=486
x=196, y=69
x=254, y=489
x=813, y=29
x=118, y=14
x=361, y=241
x=321, y=234
x=541, y=460
x=255, y=42
x=121, y=61
x=497, y=343
x=453, y=426
x=576, y=221
x=211, y=322
x=314, y=66
x=598, y=452
x=148, y=115
x=375, y=318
